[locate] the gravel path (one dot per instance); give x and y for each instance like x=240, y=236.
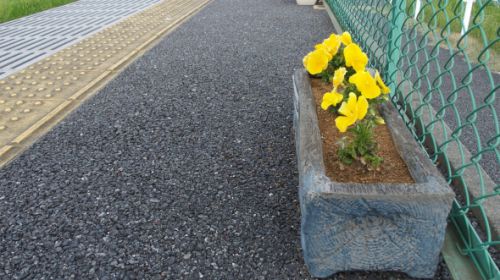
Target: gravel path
x=182, y=167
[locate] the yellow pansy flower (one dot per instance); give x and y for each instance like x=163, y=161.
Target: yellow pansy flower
x=316, y=61
x=331, y=99
x=333, y=42
x=385, y=89
x=304, y=60
x=338, y=76
x=353, y=110
x=366, y=84
x=346, y=38
x=324, y=48
x=355, y=57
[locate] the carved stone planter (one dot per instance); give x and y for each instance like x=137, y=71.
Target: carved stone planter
x=306, y=2
x=350, y=226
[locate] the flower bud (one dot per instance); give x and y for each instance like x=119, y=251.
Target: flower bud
x=379, y=120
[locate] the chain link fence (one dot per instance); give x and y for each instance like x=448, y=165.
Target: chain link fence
x=444, y=75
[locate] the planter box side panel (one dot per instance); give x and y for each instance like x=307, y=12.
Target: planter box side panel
x=359, y=233
x=307, y=135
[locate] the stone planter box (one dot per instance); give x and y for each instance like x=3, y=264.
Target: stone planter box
x=383, y=227
x=306, y=2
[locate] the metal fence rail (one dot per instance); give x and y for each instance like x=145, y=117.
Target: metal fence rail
x=444, y=78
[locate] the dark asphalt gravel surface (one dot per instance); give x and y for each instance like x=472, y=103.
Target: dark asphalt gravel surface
x=183, y=167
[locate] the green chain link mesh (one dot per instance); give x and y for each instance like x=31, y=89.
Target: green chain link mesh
x=444, y=84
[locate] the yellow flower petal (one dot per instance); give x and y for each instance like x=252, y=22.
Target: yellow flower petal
x=331, y=99
x=354, y=109
x=346, y=38
x=366, y=84
x=324, y=48
x=333, y=43
x=361, y=108
x=355, y=57
x=347, y=108
x=381, y=84
x=338, y=76
x=351, y=102
x=316, y=62
x=304, y=60
x=343, y=109
x=343, y=122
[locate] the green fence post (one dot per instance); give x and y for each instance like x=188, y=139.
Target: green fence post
x=397, y=16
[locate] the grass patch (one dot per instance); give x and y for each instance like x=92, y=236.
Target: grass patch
x=12, y=9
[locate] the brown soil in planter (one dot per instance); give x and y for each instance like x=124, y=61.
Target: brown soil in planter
x=392, y=170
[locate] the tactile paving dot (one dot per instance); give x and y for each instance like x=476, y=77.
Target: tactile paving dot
x=61, y=85
x=20, y=113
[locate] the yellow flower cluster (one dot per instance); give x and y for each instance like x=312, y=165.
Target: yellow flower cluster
x=344, y=63
x=317, y=61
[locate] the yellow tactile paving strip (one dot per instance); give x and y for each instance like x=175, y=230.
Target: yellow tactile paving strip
x=36, y=98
